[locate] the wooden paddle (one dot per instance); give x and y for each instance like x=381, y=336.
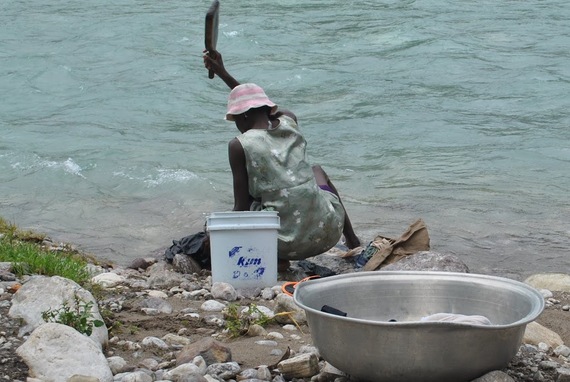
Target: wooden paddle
x=211, y=36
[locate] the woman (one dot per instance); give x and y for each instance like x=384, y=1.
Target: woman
x=270, y=172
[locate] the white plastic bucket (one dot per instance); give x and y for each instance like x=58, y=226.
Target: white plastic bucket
x=243, y=247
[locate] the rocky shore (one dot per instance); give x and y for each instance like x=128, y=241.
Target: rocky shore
x=167, y=322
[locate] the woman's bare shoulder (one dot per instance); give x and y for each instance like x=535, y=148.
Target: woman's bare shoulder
x=287, y=113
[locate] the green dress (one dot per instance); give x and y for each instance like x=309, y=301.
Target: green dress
x=281, y=178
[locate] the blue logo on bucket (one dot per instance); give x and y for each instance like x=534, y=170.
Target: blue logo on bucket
x=252, y=266
x=233, y=251
x=244, y=275
x=248, y=261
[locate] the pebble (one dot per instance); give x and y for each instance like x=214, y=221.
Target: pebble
x=212, y=306
x=546, y=293
x=267, y=343
x=562, y=350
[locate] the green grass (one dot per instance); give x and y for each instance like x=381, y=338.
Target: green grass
x=23, y=249
x=11, y=232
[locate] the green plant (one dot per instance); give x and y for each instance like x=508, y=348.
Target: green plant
x=78, y=316
x=238, y=322
x=115, y=328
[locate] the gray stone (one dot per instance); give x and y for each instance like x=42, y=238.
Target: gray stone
x=268, y=343
x=108, y=280
x=157, y=294
x=543, y=347
x=332, y=260
x=149, y=363
x=224, y=291
x=212, y=306
x=563, y=374
x=301, y=366
x=259, y=312
x=150, y=311
x=250, y=293
x=267, y=294
x=185, y=264
x=201, y=363
x=137, y=376
x=5, y=266
x=274, y=336
x=224, y=370
x=159, y=304
x=263, y=373
x=494, y=376
x=161, y=276
x=194, y=378
x=256, y=330
x=175, y=340
x=117, y=364
x=549, y=365
x=153, y=343
x=247, y=374
x=210, y=350
x=141, y=263
x=309, y=349
x=562, y=350
x=182, y=371
x=7, y=276
x=285, y=303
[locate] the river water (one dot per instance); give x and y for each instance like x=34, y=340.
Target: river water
x=457, y=112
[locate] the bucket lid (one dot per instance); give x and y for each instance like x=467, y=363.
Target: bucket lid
x=235, y=220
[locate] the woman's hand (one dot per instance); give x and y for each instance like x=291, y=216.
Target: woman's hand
x=213, y=61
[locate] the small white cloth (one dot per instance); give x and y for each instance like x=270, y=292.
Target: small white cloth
x=458, y=318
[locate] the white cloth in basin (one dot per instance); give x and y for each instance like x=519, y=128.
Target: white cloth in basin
x=458, y=318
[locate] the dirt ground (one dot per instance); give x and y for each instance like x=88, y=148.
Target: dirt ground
x=131, y=324
x=556, y=319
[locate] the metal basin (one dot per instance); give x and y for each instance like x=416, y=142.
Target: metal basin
x=368, y=347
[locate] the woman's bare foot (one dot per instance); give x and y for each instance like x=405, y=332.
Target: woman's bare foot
x=352, y=241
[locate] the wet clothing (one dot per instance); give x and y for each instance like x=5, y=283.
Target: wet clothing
x=281, y=178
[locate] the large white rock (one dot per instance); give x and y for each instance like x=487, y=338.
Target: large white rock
x=183, y=371
x=108, y=279
x=56, y=352
x=41, y=293
x=535, y=333
x=551, y=281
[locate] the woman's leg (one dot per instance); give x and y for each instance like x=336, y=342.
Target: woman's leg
x=322, y=179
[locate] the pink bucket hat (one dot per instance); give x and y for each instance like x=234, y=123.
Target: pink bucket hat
x=247, y=96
